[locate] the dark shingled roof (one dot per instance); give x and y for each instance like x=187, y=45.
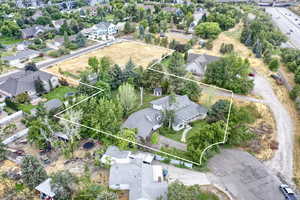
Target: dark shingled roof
x=52, y=104
x=23, y=81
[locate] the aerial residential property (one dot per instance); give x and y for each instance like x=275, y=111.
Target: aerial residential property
x=149, y=100
x=102, y=30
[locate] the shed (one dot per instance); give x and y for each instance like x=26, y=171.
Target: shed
x=45, y=190
x=52, y=105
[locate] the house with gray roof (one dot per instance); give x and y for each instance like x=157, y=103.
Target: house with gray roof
x=34, y=31
x=100, y=31
x=197, y=63
x=24, y=81
x=148, y=120
x=144, y=181
x=21, y=57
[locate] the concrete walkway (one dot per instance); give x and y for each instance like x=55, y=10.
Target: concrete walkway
x=164, y=141
x=186, y=130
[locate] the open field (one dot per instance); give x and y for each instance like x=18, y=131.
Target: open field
x=141, y=54
x=179, y=37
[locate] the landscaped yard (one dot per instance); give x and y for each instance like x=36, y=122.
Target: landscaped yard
x=9, y=41
x=170, y=133
x=59, y=93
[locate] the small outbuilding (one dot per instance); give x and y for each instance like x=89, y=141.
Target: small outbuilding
x=114, y=155
x=52, y=105
x=45, y=190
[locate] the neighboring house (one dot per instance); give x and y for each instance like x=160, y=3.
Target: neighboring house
x=45, y=190
x=58, y=23
x=37, y=14
x=58, y=42
x=24, y=81
x=115, y=156
x=148, y=120
x=95, y=2
x=52, y=105
x=144, y=181
x=197, y=63
x=101, y=30
x=21, y=57
x=34, y=31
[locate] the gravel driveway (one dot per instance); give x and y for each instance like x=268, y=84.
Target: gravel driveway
x=283, y=159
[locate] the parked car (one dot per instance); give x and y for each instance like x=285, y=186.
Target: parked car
x=287, y=192
x=277, y=78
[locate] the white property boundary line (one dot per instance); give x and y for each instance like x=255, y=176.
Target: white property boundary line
x=153, y=149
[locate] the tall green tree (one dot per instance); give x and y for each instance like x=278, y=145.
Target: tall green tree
x=33, y=173
x=203, y=135
x=127, y=97
x=129, y=134
x=230, y=72
x=2, y=151
x=63, y=185
x=208, y=30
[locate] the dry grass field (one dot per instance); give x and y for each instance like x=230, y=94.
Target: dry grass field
x=179, y=37
x=141, y=54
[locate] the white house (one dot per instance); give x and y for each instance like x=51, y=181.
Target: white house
x=144, y=181
x=102, y=31
x=115, y=156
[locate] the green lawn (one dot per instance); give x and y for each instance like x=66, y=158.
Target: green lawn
x=170, y=133
x=59, y=93
x=9, y=41
x=26, y=107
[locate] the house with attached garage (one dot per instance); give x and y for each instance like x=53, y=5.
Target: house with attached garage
x=103, y=31
x=34, y=31
x=197, y=63
x=24, y=82
x=148, y=120
x=21, y=57
x=143, y=181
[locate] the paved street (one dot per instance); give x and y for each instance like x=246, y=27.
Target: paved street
x=288, y=23
x=49, y=62
x=243, y=176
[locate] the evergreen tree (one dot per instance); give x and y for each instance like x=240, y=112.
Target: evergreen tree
x=39, y=86
x=33, y=173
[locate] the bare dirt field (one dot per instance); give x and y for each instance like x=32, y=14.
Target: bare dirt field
x=179, y=37
x=120, y=53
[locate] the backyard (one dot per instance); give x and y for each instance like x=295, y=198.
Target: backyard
x=57, y=93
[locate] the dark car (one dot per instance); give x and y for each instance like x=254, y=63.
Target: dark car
x=277, y=78
x=287, y=192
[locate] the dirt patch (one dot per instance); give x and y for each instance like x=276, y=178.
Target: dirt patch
x=179, y=37
x=141, y=54
x=214, y=190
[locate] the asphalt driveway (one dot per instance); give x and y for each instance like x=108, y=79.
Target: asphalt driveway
x=243, y=176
